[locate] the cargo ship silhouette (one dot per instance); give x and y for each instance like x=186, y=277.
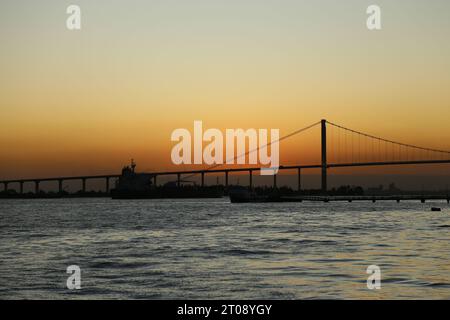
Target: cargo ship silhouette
x=134, y=185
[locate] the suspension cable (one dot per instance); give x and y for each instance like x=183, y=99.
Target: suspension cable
x=387, y=140
x=256, y=149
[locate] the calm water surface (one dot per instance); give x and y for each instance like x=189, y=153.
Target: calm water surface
x=173, y=249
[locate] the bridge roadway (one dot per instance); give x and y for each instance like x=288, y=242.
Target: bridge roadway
x=203, y=172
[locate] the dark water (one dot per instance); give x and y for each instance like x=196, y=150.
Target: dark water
x=213, y=249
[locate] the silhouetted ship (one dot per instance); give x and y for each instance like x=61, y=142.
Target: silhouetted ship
x=133, y=185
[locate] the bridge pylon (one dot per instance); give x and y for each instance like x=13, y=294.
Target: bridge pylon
x=323, y=124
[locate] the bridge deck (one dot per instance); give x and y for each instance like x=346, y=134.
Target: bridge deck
x=230, y=170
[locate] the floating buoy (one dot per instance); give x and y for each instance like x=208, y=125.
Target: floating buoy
x=435, y=209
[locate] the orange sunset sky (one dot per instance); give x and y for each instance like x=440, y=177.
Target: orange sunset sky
x=85, y=102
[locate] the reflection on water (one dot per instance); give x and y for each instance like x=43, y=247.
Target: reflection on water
x=163, y=249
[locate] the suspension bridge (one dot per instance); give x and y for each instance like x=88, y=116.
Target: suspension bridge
x=340, y=147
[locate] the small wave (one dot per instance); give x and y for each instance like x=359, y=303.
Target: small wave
x=382, y=245
x=438, y=285
x=248, y=252
x=118, y=265
x=283, y=240
x=328, y=260
x=310, y=241
x=404, y=280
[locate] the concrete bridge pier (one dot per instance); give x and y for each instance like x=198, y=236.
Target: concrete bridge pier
x=274, y=181
x=60, y=186
x=154, y=180
x=226, y=179
x=299, y=187
x=83, y=185
x=36, y=186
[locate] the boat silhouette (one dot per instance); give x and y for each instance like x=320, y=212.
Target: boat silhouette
x=134, y=185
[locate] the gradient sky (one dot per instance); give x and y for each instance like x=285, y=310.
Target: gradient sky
x=81, y=102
